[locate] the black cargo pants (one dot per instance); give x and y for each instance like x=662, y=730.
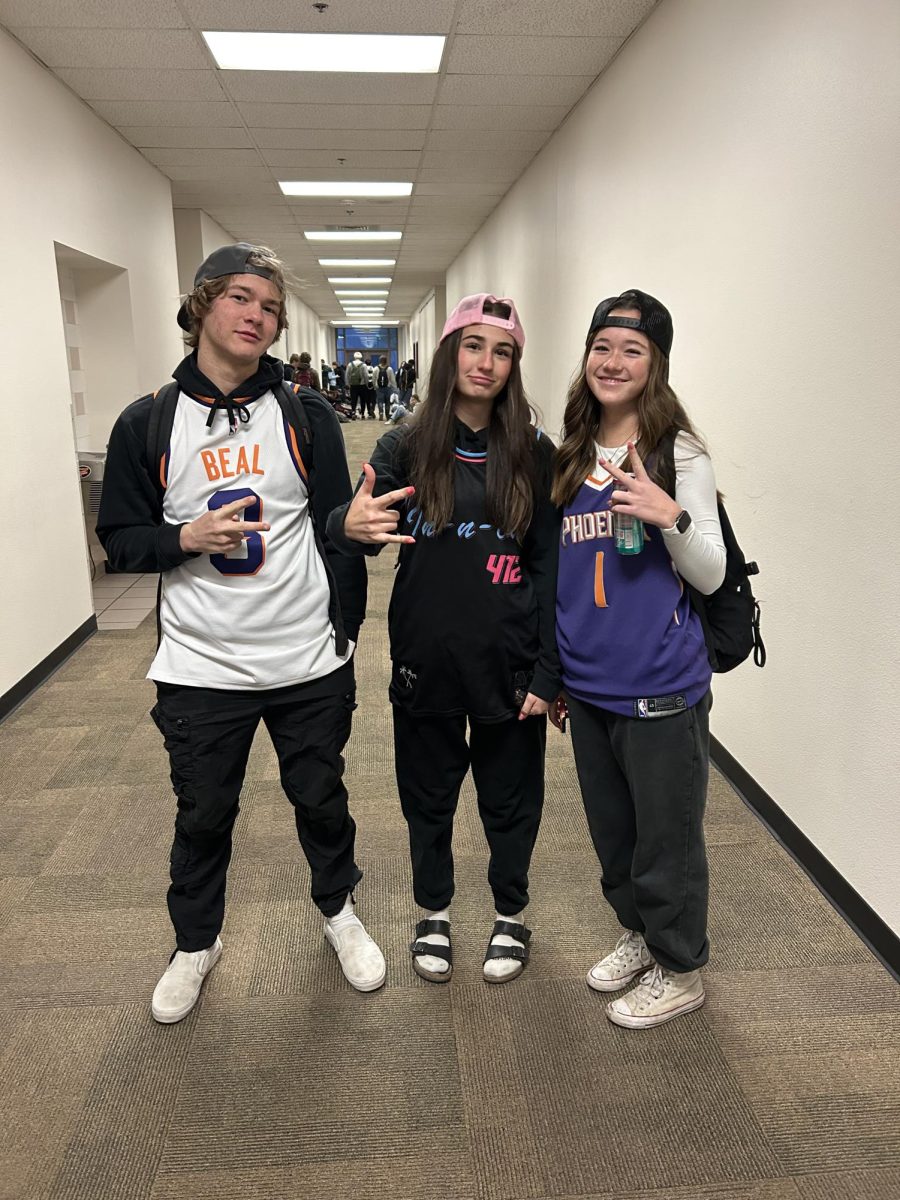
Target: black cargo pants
x=208, y=734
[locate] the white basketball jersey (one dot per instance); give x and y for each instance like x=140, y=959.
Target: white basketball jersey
x=257, y=617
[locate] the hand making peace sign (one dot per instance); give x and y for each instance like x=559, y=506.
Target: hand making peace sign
x=638, y=496
x=370, y=518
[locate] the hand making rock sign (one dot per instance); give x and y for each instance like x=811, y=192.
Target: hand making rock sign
x=370, y=518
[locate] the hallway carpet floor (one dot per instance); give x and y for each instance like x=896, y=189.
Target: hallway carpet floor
x=285, y=1083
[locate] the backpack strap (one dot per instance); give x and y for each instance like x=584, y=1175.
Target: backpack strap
x=290, y=398
x=159, y=430
x=666, y=451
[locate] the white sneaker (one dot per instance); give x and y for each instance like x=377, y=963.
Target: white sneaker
x=629, y=959
x=179, y=988
x=361, y=960
x=660, y=996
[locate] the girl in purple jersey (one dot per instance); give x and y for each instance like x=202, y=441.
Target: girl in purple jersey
x=634, y=664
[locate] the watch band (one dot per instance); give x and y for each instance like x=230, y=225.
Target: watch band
x=683, y=521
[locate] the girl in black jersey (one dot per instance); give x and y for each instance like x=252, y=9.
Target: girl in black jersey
x=464, y=489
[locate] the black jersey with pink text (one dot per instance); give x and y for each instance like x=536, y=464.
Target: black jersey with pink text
x=472, y=612
x=628, y=640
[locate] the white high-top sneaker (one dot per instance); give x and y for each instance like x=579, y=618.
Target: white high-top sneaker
x=621, y=965
x=660, y=996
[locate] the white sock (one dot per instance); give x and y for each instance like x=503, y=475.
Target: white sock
x=437, y=965
x=498, y=968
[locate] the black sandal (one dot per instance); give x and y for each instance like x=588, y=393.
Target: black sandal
x=518, y=953
x=419, y=948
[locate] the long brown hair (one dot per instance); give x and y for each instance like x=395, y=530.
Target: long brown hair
x=658, y=408
x=511, y=461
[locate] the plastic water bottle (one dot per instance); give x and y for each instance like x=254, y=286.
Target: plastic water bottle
x=628, y=532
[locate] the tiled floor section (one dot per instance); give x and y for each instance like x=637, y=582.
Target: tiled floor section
x=123, y=601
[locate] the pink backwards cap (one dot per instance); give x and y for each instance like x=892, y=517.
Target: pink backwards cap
x=470, y=311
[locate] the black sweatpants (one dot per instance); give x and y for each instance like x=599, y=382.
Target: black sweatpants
x=208, y=734
x=432, y=757
x=643, y=783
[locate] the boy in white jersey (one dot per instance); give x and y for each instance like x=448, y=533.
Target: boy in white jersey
x=258, y=615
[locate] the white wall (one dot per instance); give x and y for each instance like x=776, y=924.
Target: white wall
x=196, y=236
x=69, y=179
x=306, y=332
x=425, y=329
x=739, y=161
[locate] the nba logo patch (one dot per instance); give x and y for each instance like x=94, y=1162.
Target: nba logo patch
x=642, y=708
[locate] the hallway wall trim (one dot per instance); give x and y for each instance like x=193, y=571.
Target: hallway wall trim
x=41, y=673
x=859, y=915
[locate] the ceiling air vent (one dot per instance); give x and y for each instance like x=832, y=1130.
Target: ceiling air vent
x=351, y=228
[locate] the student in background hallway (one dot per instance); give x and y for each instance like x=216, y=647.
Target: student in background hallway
x=258, y=617
x=636, y=674
x=385, y=384
x=306, y=374
x=357, y=378
x=464, y=489
x=290, y=367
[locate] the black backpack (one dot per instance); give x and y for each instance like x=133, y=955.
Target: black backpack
x=730, y=616
x=382, y=378
x=162, y=416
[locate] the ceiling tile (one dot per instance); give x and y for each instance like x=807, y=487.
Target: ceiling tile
x=165, y=112
x=147, y=136
x=460, y=187
x=337, y=116
x=344, y=139
x=217, y=159
x=474, y=118
x=487, y=139
x=375, y=16
x=328, y=169
x=292, y=87
x=117, y=83
x=92, y=14
x=534, y=89
x=499, y=175
x=324, y=164
x=513, y=55
x=473, y=159
x=575, y=18
x=67, y=47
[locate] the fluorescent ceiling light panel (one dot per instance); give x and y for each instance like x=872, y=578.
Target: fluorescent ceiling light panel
x=364, y=324
x=360, y=279
x=363, y=292
x=338, y=235
x=339, y=188
x=346, y=263
x=349, y=53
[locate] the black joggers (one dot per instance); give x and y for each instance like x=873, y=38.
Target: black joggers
x=208, y=734
x=432, y=757
x=643, y=783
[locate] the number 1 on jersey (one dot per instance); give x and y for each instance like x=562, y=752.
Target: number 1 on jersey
x=252, y=560
x=599, y=589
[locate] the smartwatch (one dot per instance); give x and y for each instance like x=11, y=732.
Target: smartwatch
x=683, y=521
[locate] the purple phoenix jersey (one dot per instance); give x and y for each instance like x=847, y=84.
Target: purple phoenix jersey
x=628, y=639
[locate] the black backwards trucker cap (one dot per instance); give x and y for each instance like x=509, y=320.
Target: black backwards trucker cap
x=227, y=260
x=655, y=319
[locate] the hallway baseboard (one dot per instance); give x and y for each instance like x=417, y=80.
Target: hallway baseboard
x=37, y=675
x=858, y=914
